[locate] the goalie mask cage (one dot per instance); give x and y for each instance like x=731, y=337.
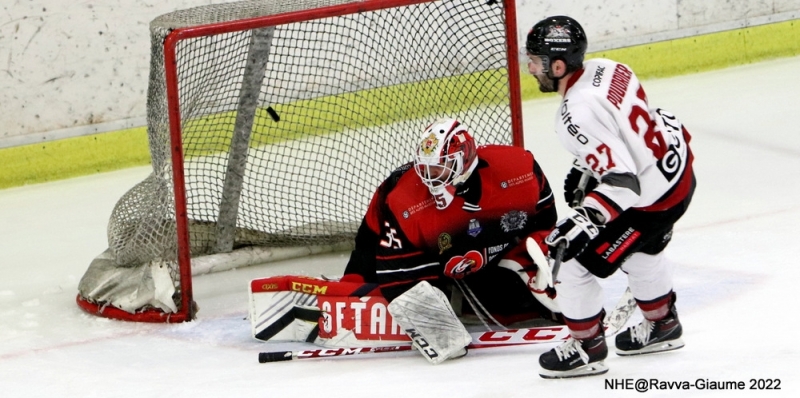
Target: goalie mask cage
x=271, y=124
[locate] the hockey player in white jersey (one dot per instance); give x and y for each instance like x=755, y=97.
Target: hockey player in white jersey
x=642, y=182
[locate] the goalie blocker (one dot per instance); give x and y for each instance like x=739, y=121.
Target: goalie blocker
x=337, y=314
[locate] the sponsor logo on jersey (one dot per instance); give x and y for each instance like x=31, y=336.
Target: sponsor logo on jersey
x=493, y=251
x=513, y=220
x=496, y=249
x=670, y=164
x=445, y=242
x=517, y=180
x=572, y=128
x=419, y=207
x=474, y=228
x=598, y=76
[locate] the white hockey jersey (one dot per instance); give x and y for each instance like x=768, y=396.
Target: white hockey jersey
x=639, y=154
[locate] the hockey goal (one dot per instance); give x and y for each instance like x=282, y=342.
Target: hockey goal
x=272, y=122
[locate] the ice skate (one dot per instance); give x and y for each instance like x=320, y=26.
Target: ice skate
x=652, y=336
x=575, y=358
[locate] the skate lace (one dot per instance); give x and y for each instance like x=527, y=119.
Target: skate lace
x=571, y=346
x=641, y=332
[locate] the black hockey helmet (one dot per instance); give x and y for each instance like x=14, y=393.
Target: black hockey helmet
x=558, y=37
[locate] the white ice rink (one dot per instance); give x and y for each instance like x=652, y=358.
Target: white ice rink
x=736, y=255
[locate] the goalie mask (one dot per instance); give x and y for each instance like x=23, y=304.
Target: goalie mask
x=446, y=157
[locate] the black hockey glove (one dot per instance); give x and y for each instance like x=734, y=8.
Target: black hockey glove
x=571, y=185
x=575, y=232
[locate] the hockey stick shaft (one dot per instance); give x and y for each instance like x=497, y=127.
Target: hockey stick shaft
x=278, y=356
x=490, y=339
x=580, y=193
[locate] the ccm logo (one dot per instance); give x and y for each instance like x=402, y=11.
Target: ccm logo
x=308, y=288
x=422, y=344
x=270, y=286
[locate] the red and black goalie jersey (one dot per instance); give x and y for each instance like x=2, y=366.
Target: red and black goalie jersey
x=404, y=238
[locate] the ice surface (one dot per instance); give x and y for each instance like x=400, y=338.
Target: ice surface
x=735, y=255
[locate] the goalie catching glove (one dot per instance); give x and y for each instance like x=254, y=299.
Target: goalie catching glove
x=575, y=231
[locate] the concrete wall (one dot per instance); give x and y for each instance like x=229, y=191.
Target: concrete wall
x=622, y=23
x=67, y=64
x=70, y=68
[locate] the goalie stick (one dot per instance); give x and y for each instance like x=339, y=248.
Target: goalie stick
x=486, y=339
x=615, y=319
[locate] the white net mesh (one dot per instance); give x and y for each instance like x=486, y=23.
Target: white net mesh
x=287, y=130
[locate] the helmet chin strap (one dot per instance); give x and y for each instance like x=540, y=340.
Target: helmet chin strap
x=554, y=80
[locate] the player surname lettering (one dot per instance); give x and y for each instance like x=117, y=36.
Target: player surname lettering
x=619, y=85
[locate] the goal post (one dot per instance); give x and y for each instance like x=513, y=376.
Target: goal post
x=271, y=124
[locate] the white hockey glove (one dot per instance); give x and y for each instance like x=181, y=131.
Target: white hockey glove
x=428, y=319
x=575, y=231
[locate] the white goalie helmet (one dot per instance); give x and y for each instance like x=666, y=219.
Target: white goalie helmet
x=446, y=157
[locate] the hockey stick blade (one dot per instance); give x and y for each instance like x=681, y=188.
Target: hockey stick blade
x=617, y=318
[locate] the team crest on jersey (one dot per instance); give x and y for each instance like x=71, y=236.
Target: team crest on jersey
x=429, y=144
x=445, y=242
x=513, y=220
x=474, y=228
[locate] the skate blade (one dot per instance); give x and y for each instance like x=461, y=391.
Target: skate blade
x=652, y=349
x=595, y=368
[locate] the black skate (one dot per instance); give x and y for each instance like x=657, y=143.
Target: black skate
x=650, y=337
x=575, y=358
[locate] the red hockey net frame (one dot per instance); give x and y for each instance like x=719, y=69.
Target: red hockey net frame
x=186, y=311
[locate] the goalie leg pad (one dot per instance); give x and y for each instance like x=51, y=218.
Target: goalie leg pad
x=427, y=317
